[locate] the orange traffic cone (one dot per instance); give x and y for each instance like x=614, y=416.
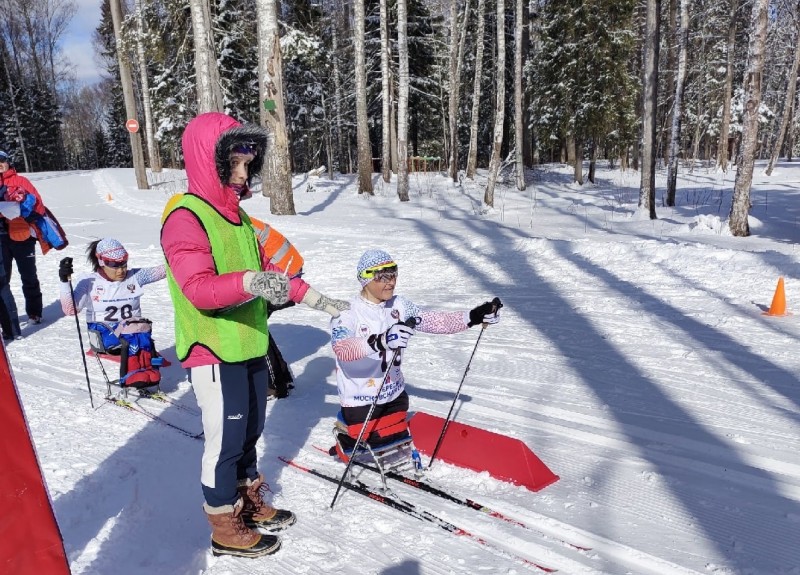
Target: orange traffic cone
x=778, y=306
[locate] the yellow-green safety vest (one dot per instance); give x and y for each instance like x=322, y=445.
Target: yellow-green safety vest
x=240, y=333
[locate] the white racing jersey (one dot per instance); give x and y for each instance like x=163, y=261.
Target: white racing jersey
x=109, y=301
x=359, y=368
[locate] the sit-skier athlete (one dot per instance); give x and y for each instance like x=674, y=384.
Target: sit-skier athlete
x=111, y=296
x=366, y=337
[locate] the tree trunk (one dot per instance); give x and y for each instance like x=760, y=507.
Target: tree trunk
x=386, y=127
x=670, y=72
x=725, y=125
x=677, y=108
x=277, y=171
x=149, y=128
x=530, y=45
x=519, y=131
x=787, y=106
x=393, y=127
x=338, y=98
x=790, y=135
x=740, y=206
x=127, y=94
x=577, y=164
x=402, y=101
x=500, y=105
x=456, y=57
x=472, y=155
x=209, y=93
x=647, y=193
x=570, y=149
x=452, y=100
x=362, y=128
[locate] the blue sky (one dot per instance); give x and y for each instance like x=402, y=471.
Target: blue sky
x=77, y=41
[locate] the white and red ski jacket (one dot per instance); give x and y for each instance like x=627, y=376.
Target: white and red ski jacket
x=359, y=368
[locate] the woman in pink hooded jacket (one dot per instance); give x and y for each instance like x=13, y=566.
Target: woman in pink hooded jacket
x=220, y=281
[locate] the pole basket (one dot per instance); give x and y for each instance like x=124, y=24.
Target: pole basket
x=504, y=458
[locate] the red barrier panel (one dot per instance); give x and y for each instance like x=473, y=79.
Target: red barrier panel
x=503, y=457
x=30, y=541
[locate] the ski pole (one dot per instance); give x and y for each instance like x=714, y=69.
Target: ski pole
x=410, y=322
x=80, y=340
x=496, y=305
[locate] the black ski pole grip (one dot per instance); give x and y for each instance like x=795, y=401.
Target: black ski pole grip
x=412, y=321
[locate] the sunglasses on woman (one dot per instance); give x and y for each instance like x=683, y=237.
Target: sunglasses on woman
x=114, y=265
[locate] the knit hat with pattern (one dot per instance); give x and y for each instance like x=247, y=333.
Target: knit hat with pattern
x=110, y=249
x=370, y=259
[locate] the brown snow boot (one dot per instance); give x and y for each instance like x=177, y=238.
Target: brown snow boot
x=257, y=514
x=230, y=536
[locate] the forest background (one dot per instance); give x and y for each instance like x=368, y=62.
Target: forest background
x=395, y=85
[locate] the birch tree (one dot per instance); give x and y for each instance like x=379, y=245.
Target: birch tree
x=500, y=105
x=740, y=207
x=345, y=165
x=788, y=101
x=725, y=126
x=647, y=193
x=127, y=92
x=149, y=130
x=402, y=101
x=677, y=108
x=386, y=92
x=277, y=172
x=472, y=154
x=455, y=56
x=209, y=94
x=519, y=132
x=362, y=128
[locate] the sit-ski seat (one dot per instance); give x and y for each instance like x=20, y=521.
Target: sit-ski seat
x=386, y=443
x=140, y=370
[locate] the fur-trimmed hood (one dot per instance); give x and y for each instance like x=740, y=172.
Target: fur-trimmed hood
x=207, y=142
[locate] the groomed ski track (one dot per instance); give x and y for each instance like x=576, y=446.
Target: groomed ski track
x=663, y=473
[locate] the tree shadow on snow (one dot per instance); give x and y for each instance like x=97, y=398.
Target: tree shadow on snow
x=644, y=412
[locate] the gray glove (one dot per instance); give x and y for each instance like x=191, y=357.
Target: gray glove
x=272, y=286
x=316, y=300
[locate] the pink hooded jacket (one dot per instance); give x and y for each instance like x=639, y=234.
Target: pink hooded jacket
x=185, y=243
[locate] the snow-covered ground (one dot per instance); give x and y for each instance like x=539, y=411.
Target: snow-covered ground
x=632, y=357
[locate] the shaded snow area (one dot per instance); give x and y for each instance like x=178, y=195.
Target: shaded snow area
x=633, y=358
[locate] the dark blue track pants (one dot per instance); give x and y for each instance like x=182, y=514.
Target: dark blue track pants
x=233, y=399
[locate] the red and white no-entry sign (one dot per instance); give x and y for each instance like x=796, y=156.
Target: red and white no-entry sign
x=132, y=125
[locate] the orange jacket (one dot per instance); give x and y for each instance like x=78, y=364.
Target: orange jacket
x=279, y=249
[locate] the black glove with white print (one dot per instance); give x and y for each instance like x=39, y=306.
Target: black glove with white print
x=488, y=313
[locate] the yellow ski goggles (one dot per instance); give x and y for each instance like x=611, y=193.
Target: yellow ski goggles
x=381, y=274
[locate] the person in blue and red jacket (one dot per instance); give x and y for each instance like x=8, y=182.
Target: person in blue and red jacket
x=20, y=232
